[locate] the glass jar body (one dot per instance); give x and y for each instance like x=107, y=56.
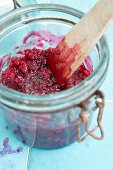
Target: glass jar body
x=47, y=121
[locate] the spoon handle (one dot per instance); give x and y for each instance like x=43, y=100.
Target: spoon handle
x=92, y=25
x=80, y=40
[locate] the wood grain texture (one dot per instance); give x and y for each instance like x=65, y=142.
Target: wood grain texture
x=86, y=33
x=90, y=29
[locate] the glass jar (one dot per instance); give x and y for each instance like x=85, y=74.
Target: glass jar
x=55, y=120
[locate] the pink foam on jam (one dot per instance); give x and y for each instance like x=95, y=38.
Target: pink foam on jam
x=42, y=39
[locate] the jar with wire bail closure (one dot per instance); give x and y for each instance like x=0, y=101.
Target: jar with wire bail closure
x=59, y=119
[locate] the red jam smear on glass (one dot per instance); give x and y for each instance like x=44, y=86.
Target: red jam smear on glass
x=28, y=72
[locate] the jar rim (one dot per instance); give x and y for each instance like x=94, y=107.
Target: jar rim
x=64, y=99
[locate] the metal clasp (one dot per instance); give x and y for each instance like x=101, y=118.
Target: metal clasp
x=84, y=118
x=16, y=4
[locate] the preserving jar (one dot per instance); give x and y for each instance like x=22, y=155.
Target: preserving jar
x=55, y=120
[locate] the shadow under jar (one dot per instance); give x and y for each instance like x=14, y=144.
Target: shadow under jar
x=55, y=120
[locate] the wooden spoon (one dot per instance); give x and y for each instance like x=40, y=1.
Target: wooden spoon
x=72, y=50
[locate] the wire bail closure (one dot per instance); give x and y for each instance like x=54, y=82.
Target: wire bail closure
x=16, y=4
x=84, y=117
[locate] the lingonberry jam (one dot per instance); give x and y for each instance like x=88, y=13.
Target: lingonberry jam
x=28, y=72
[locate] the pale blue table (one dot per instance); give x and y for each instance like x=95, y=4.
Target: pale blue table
x=90, y=155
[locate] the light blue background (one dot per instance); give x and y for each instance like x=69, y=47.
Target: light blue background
x=90, y=155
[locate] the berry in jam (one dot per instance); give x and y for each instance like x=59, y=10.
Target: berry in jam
x=30, y=74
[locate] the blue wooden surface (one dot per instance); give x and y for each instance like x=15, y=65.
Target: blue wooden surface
x=90, y=155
